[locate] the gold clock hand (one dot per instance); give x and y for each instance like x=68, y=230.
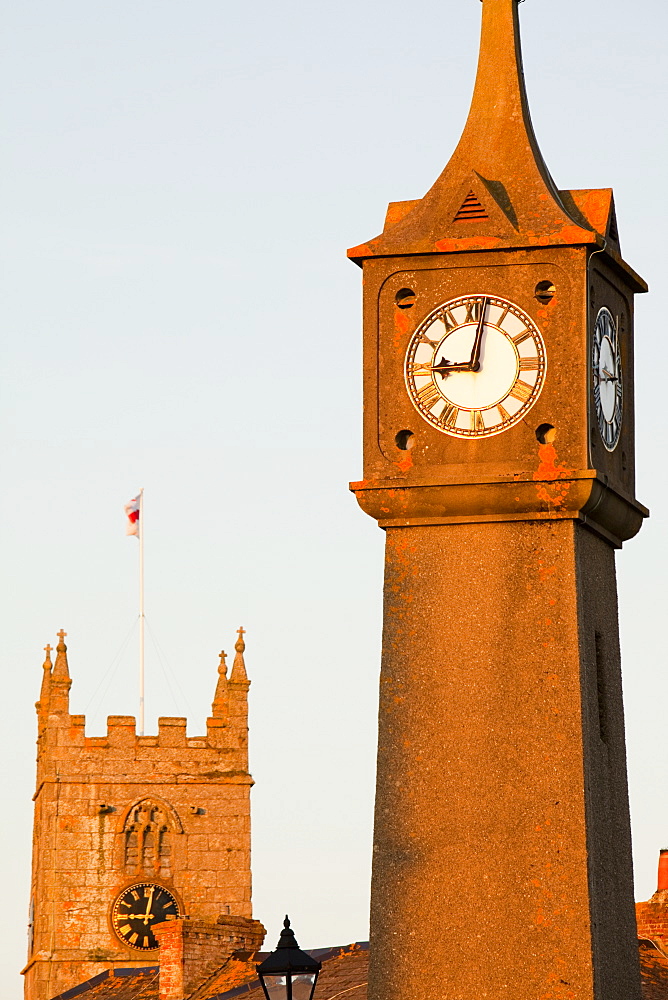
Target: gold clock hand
x=147, y=915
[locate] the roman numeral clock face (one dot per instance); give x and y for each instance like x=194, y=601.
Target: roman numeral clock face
x=607, y=376
x=137, y=909
x=475, y=366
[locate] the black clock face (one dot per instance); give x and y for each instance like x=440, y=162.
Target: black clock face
x=138, y=909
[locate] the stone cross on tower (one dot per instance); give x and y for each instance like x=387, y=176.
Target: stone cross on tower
x=499, y=459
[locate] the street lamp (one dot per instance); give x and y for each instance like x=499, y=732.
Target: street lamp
x=288, y=973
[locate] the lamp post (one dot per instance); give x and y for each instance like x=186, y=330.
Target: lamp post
x=288, y=973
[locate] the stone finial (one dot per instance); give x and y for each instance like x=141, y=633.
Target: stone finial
x=219, y=708
x=45, y=690
x=239, y=667
x=61, y=669
x=60, y=678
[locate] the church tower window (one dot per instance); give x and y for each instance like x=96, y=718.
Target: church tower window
x=147, y=837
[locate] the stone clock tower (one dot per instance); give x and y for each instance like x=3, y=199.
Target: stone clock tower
x=132, y=832
x=499, y=459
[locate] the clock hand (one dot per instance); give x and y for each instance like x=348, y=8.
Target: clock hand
x=610, y=376
x=444, y=367
x=474, y=363
x=148, y=914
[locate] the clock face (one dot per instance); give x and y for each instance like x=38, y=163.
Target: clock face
x=607, y=376
x=137, y=909
x=475, y=366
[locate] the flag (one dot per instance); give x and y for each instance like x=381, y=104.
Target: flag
x=132, y=511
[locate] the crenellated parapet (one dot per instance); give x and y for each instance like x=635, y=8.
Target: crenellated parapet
x=224, y=735
x=224, y=743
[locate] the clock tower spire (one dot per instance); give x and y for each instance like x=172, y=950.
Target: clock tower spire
x=498, y=141
x=499, y=458
x=496, y=189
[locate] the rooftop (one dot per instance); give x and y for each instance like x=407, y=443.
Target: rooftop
x=344, y=974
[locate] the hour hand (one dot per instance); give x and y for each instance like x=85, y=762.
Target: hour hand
x=444, y=367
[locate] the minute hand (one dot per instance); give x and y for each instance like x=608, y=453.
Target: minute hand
x=474, y=363
x=148, y=915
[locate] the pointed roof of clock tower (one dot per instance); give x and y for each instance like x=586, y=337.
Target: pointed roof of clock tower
x=496, y=190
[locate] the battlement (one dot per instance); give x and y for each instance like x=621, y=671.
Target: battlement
x=64, y=747
x=122, y=729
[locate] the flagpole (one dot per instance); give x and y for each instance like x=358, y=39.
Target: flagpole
x=141, y=612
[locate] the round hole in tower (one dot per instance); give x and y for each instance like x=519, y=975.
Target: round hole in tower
x=404, y=440
x=405, y=298
x=545, y=292
x=545, y=434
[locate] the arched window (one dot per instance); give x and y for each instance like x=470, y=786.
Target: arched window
x=147, y=837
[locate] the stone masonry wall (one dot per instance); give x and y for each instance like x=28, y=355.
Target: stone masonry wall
x=122, y=808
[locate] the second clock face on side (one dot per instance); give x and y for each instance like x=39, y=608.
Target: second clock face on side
x=137, y=909
x=475, y=366
x=607, y=377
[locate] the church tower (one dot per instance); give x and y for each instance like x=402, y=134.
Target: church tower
x=134, y=831
x=499, y=459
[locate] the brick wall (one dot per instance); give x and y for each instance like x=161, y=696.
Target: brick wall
x=192, y=950
x=652, y=919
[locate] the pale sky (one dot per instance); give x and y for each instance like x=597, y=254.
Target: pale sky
x=181, y=181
